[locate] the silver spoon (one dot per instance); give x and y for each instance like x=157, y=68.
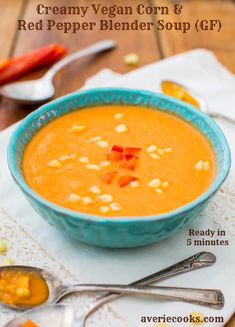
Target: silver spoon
x=197, y=261
x=201, y=102
x=42, y=89
x=57, y=290
x=68, y=316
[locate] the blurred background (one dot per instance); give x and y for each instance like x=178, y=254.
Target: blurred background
x=149, y=45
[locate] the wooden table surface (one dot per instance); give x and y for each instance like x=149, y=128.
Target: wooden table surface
x=150, y=45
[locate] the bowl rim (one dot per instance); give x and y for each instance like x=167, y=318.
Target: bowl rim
x=77, y=215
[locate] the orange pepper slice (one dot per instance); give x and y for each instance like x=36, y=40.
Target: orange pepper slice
x=126, y=180
x=22, y=65
x=132, y=150
x=108, y=177
x=129, y=163
x=29, y=323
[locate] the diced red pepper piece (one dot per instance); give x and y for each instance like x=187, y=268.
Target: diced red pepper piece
x=132, y=150
x=115, y=156
x=29, y=323
x=117, y=148
x=129, y=164
x=125, y=180
x=22, y=65
x=129, y=156
x=108, y=177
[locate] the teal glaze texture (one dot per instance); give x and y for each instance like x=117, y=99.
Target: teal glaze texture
x=118, y=232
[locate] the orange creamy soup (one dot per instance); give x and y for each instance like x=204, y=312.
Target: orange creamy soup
x=22, y=288
x=119, y=161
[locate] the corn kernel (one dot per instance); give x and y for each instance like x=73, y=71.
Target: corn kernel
x=23, y=281
x=168, y=150
x=94, y=189
x=72, y=197
x=3, y=246
x=67, y=157
x=64, y=158
x=122, y=128
x=165, y=184
x=152, y=148
x=134, y=184
x=92, y=167
x=199, y=165
x=104, y=209
x=156, y=182
x=154, y=156
x=160, y=151
x=115, y=206
x=158, y=190
x=119, y=115
x=102, y=144
x=84, y=159
x=55, y=163
x=206, y=165
x=23, y=292
x=105, y=163
x=202, y=165
x=131, y=59
x=96, y=139
x=8, y=262
x=87, y=200
x=105, y=198
x=77, y=128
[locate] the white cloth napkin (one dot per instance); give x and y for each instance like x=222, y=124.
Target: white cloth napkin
x=201, y=71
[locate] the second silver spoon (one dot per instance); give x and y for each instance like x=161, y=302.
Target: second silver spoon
x=42, y=89
x=57, y=290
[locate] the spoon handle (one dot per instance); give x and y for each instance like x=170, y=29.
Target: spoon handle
x=197, y=261
x=92, y=49
x=222, y=116
x=207, y=297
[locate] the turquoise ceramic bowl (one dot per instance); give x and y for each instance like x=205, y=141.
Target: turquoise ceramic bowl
x=119, y=232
